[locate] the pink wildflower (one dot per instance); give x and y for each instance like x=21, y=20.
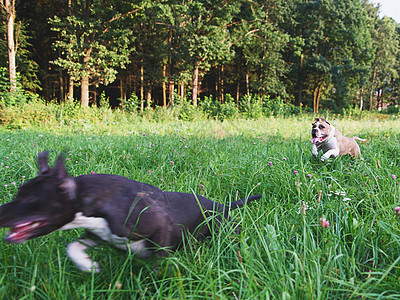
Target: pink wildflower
x=397, y=211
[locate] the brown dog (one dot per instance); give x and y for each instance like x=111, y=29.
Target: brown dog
x=330, y=140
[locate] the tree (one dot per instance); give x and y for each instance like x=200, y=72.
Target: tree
x=14, y=51
x=9, y=7
x=337, y=41
x=94, y=41
x=199, y=30
x=386, y=41
x=259, y=43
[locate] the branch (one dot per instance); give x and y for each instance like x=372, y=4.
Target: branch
x=117, y=17
x=123, y=15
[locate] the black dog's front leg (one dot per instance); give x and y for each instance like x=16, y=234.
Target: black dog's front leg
x=77, y=253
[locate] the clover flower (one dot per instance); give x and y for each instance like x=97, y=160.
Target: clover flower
x=324, y=222
x=397, y=211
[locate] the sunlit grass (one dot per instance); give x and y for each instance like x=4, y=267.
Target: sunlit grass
x=282, y=251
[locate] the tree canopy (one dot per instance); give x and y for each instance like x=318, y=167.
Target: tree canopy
x=329, y=54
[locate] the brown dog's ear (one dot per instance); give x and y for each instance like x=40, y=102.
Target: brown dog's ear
x=43, y=165
x=323, y=120
x=67, y=183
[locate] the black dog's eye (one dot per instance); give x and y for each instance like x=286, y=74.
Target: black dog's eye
x=28, y=199
x=321, y=126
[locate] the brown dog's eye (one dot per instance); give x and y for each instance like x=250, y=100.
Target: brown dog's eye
x=321, y=126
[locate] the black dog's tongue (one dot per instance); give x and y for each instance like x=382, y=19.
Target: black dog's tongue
x=21, y=232
x=15, y=237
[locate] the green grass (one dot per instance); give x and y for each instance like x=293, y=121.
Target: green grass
x=280, y=254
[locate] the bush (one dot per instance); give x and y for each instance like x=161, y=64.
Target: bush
x=251, y=106
x=228, y=109
x=18, y=97
x=132, y=104
x=210, y=107
x=391, y=110
x=188, y=112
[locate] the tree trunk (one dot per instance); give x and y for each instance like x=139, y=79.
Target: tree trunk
x=182, y=91
x=148, y=97
x=10, y=10
x=371, y=100
x=317, y=95
x=361, y=98
x=71, y=90
x=164, y=86
x=62, y=93
x=217, y=80
x=85, y=81
x=195, y=84
x=300, y=81
x=171, y=92
x=379, y=100
x=315, y=108
x=85, y=91
x=122, y=90
x=247, y=84
x=238, y=92
x=222, y=84
x=141, y=87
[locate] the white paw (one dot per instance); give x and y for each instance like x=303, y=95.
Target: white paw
x=88, y=266
x=76, y=252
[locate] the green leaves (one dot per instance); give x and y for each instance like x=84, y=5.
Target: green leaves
x=94, y=40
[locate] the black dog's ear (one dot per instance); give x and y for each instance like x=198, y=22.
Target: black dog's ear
x=43, y=165
x=67, y=183
x=316, y=119
x=59, y=170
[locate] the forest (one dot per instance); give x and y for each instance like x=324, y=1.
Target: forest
x=322, y=54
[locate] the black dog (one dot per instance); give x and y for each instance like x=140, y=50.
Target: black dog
x=116, y=209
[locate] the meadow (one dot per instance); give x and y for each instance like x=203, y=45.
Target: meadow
x=283, y=251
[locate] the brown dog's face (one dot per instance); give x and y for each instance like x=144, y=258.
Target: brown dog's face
x=321, y=129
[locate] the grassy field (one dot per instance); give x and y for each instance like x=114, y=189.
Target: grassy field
x=283, y=252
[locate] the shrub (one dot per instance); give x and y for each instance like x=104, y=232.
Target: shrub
x=210, y=107
x=251, y=106
x=130, y=105
x=391, y=110
x=228, y=109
